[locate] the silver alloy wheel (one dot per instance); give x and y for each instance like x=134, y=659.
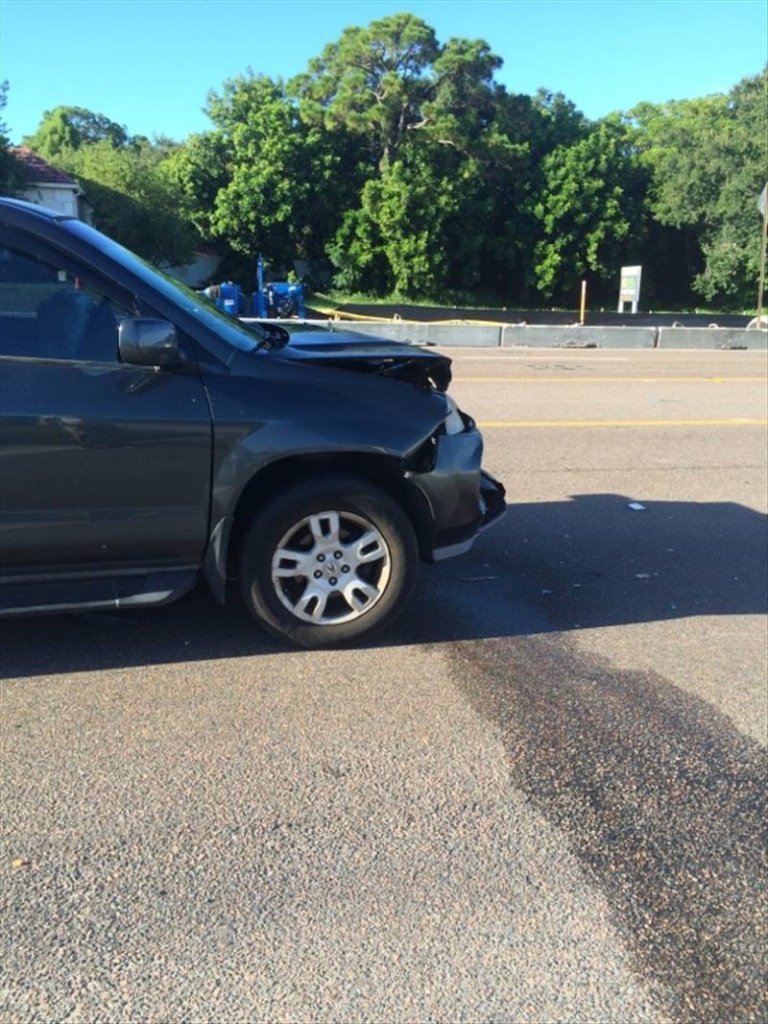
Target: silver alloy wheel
x=331, y=567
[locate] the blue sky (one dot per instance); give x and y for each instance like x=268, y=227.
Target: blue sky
x=148, y=64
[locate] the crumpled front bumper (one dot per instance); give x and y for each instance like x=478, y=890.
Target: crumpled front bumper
x=463, y=498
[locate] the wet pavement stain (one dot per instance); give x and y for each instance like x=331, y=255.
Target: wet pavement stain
x=661, y=799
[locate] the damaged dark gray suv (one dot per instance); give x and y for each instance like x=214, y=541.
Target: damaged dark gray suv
x=147, y=440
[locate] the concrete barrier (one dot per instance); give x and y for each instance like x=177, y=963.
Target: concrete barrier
x=447, y=335
x=712, y=337
x=547, y=336
x=576, y=336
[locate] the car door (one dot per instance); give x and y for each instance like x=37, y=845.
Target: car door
x=103, y=466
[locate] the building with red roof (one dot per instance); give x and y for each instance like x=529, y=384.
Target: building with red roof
x=48, y=186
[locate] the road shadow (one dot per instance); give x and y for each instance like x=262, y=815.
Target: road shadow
x=590, y=561
x=598, y=560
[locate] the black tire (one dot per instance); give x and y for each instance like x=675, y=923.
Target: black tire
x=328, y=561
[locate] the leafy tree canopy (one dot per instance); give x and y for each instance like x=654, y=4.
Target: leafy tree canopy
x=709, y=160
x=264, y=180
x=69, y=128
x=373, y=81
x=399, y=164
x=133, y=200
x=590, y=208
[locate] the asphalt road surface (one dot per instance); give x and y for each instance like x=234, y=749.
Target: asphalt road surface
x=541, y=797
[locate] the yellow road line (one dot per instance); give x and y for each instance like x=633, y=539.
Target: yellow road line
x=576, y=424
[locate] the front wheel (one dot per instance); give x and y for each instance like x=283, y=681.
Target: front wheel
x=328, y=561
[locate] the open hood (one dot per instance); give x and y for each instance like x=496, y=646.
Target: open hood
x=377, y=356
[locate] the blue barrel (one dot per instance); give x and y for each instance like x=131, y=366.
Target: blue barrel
x=231, y=300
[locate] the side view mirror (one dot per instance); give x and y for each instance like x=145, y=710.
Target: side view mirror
x=143, y=341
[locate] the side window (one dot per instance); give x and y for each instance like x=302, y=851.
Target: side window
x=47, y=312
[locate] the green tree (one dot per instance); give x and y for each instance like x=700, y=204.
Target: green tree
x=709, y=161
x=199, y=168
x=372, y=81
x=133, y=200
x=265, y=181
x=591, y=212
x=462, y=110
x=133, y=197
x=68, y=128
x=500, y=191
x=432, y=123
x=396, y=240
